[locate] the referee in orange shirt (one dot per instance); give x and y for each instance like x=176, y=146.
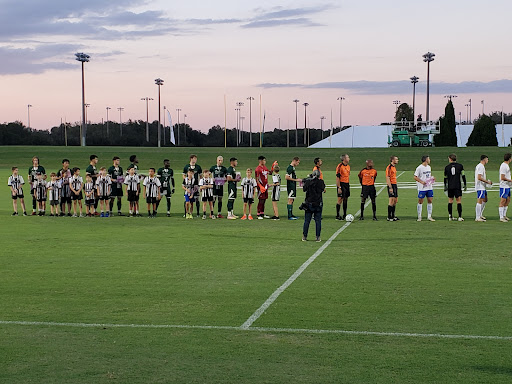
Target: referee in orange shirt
x=392, y=187
x=367, y=178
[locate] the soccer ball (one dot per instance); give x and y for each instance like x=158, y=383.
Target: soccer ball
x=349, y=217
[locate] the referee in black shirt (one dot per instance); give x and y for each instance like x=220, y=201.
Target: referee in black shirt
x=453, y=178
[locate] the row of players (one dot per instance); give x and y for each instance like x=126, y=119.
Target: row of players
x=107, y=185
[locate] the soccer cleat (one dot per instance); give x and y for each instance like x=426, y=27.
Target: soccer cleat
x=102, y=214
x=231, y=217
x=293, y=218
x=219, y=216
x=460, y=219
x=106, y=214
x=96, y=214
x=375, y=218
x=419, y=219
x=168, y=214
x=119, y=213
x=503, y=220
x=304, y=238
x=450, y=218
x=275, y=217
x=75, y=215
x=480, y=219
x=260, y=217
x=244, y=217
x=506, y=218
x=266, y=217
x=213, y=217
x=69, y=214
x=396, y=218
x=204, y=217
x=34, y=213
x=14, y=214
x=250, y=217
x=388, y=219
x=361, y=218
x=430, y=219
x=25, y=214
x=483, y=217
x=318, y=239
x=110, y=213
x=338, y=217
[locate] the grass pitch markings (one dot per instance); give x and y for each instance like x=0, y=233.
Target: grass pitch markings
x=256, y=315
x=259, y=329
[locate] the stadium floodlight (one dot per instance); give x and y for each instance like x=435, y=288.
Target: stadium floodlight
x=159, y=82
x=108, y=109
x=427, y=58
x=28, y=108
x=482, y=107
x=341, y=109
x=414, y=80
x=450, y=97
x=120, y=109
x=250, y=98
x=239, y=104
x=296, y=122
x=397, y=103
x=147, y=99
x=306, y=122
x=83, y=58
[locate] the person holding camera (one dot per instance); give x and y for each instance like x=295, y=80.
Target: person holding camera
x=313, y=204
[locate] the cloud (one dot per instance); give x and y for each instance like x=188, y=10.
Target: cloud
x=17, y=61
x=279, y=16
x=364, y=87
x=305, y=22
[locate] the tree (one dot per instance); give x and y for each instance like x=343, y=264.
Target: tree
x=404, y=111
x=448, y=136
x=484, y=133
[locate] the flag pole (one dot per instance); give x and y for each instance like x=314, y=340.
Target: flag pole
x=261, y=142
x=225, y=124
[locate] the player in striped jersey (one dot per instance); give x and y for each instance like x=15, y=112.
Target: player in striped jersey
x=198, y=174
x=53, y=187
x=189, y=186
x=206, y=188
x=39, y=187
x=89, y=195
x=63, y=176
x=16, y=183
x=103, y=185
x=32, y=176
x=249, y=187
x=75, y=185
x=91, y=170
x=276, y=192
x=132, y=183
x=152, y=191
x=117, y=176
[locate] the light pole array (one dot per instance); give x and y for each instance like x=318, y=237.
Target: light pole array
x=450, y=97
x=414, y=80
x=147, y=99
x=83, y=58
x=427, y=58
x=163, y=128
x=108, y=108
x=250, y=98
x=28, y=108
x=296, y=122
x=120, y=109
x=159, y=82
x=341, y=109
x=185, y=126
x=397, y=103
x=470, y=117
x=237, y=110
x=305, y=122
x=467, y=113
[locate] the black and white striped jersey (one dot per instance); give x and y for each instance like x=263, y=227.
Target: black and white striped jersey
x=76, y=182
x=132, y=182
x=16, y=183
x=104, y=185
x=152, y=185
x=40, y=189
x=276, y=189
x=206, y=192
x=53, y=190
x=248, y=186
x=88, y=188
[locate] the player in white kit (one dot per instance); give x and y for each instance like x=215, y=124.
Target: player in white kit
x=425, y=183
x=481, y=183
x=505, y=183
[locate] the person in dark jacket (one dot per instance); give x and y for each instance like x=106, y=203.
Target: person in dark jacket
x=314, y=187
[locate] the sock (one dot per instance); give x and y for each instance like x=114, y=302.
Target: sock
x=478, y=210
x=393, y=211
x=219, y=207
x=419, y=209
x=345, y=204
x=500, y=210
x=131, y=212
x=289, y=208
x=119, y=205
x=450, y=209
x=230, y=205
x=154, y=213
x=149, y=212
x=459, y=209
x=429, y=210
x=374, y=208
x=211, y=213
x=483, y=207
x=362, y=209
x=338, y=209
x=390, y=212
x=197, y=207
x=204, y=213
x=168, y=204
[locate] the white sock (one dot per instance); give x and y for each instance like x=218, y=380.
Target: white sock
x=500, y=210
x=420, y=209
x=478, y=210
x=483, y=207
x=505, y=209
x=429, y=210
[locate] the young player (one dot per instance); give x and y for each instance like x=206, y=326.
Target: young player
x=189, y=186
x=103, y=188
x=116, y=175
x=232, y=177
x=16, y=183
x=152, y=191
x=166, y=177
x=343, y=185
x=132, y=182
x=291, y=186
x=392, y=187
x=91, y=170
x=249, y=185
x=262, y=173
x=424, y=183
x=198, y=174
x=367, y=177
x=219, y=173
x=276, y=192
x=481, y=183
x=53, y=187
x=505, y=183
x=453, y=173
x=32, y=176
x=89, y=196
x=318, y=164
x=75, y=184
x=206, y=188
x=40, y=193
x=63, y=176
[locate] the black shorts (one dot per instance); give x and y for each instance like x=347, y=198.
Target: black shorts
x=89, y=202
x=132, y=196
x=454, y=192
x=103, y=197
x=77, y=197
x=344, y=190
x=394, y=191
x=14, y=197
x=151, y=200
x=41, y=199
x=368, y=191
x=218, y=190
x=54, y=202
x=248, y=200
x=117, y=191
x=65, y=199
x=208, y=198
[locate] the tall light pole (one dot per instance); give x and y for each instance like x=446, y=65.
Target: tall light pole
x=322, y=118
x=108, y=108
x=237, y=110
x=414, y=80
x=28, y=108
x=185, y=126
x=242, y=118
x=470, y=117
x=163, y=128
x=83, y=58
x=483, y=107
x=120, y=109
x=178, y=110
x=341, y=109
x=147, y=99
x=467, y=113
x=397, y=103
x=159, y=82
x=296, y=122
x=239, y=105
x=427, y=58
x=305, y=121
x=86, y=108
x=250, y=98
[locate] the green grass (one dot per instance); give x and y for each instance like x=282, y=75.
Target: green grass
x=405, y=277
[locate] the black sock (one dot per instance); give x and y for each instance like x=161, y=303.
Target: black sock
x=450, y=209
x=154, y=213
x=362, y=209
x=459, y=209
x=211, y=213
x=149, y=212
x=390, y=212
x=374, y=208
x=197, y=207
x=345, y=203
x=393, y=211
x=219, y=207
x=168, y=204
x=33, y=203
x=204, y=213
x=338, y=209
x=119, y=205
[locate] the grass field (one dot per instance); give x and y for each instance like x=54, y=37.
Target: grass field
x=132, y=300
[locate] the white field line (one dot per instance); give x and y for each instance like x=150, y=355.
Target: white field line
x=259, y=329
x=255, y=316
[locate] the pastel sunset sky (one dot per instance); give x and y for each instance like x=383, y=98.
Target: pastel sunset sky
x=313, y=51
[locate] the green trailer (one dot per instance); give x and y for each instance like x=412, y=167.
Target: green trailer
x=409, y=134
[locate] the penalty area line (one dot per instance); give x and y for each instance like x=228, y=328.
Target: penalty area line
x=260, y=329
x=273, y=297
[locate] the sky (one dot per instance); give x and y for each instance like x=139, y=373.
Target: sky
x=212, y=54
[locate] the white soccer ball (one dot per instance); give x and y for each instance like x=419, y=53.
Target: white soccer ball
x=349, y=217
